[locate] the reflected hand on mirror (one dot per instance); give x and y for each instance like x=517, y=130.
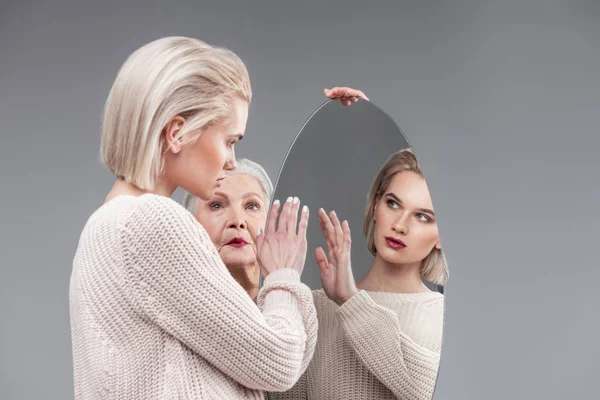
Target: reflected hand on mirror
x=345, y=95
x=280, y=246
x=336, y=270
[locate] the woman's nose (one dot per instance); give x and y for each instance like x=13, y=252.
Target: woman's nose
x=237, y=220
x=238, y=224
x=230, y=165
x=400, y=225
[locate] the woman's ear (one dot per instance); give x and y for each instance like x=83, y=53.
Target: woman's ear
x=170, y=133
x=438, y=245
x=375, y=208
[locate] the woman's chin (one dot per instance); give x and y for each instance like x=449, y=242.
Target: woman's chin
x=392, y=257
x=238, y=260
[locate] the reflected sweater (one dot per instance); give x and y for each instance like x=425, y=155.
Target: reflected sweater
x=375, y=346
x=155, y=314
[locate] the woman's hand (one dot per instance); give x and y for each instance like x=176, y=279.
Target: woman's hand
x=336, y=271
x=282, y=247
x=345, y=94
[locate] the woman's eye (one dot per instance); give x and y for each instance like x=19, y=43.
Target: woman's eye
x=253, y=206
x=392, y=204
x=423, y=217
x=215, y=206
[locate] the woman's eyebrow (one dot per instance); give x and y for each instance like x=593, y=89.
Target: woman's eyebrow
x=222, y=195
x=425, y=210
x=250, y=194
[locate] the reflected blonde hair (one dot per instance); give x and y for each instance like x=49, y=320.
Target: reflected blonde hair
x=169, y=77
x=434, y=267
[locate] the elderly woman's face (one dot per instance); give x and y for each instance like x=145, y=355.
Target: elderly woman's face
x=231, y=217
x=405, y=225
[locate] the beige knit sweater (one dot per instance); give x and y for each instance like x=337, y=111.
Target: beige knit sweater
x=375, y=346
x=155, y=314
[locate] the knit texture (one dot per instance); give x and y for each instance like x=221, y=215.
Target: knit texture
x=375, y=346
x=155, y=314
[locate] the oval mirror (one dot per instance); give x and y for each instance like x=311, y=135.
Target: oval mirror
x=384, y=342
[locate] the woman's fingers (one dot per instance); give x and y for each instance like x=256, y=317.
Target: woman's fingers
x=303, y=225
x=321, y=259
x=292, y=218
x=339, y=234
x=347, y=237
x=260, y=239
x=345, y=92
x=273, y=214
x=328, y=230
x=282, y=226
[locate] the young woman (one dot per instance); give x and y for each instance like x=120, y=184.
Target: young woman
x=380, y=338
x=155, y=314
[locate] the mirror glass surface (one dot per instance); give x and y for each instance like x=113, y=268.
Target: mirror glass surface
x=331, y=165
x=383, y=342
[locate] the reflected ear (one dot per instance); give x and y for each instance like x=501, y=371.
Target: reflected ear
x=170, y=133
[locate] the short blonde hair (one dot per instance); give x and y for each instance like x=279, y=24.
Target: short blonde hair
x=165, y=78
x=244, y=167
x=434, y=267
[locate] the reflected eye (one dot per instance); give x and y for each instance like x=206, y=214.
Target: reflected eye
x=423, y=217
x=391, y=203
x=215, y=206
x=253, y=206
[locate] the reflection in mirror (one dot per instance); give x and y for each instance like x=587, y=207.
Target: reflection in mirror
x=374, y=257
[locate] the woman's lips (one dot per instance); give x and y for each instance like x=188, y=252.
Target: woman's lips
x=219, y=181
x=395, y=243
x=237, y=242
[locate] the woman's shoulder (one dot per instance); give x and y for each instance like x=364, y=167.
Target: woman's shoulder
x=156, y=207
x=157, y=215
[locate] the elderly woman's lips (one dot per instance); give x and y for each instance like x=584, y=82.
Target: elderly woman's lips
x=237, y=242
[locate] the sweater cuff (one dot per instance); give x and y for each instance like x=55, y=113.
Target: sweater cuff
x=282, y=288
x=282, y=275
x=359, y=308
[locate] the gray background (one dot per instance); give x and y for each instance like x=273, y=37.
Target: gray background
x=500, y=100
x=332, y=164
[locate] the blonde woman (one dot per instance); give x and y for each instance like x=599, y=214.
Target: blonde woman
x=155, y=314
x=380, y=338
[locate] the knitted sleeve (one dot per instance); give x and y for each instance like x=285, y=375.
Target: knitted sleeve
x=298, y=392
x=373, y=332
x=177, y=280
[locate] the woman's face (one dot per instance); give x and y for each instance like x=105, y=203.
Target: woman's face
x=231, y=217
x=405, y=226
x=201, y=165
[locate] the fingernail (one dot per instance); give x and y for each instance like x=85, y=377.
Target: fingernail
x=257, y=231
x=304, y=208
x=289, y=199
x=296, y=200
x=276, y=203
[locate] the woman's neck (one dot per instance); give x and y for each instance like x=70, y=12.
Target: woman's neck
x=247, y=276
x=124, y=188
x=394, y=278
